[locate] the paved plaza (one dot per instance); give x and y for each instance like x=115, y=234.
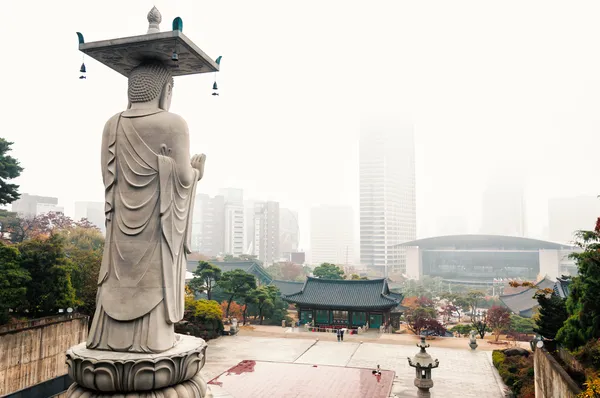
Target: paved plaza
x=462, y=372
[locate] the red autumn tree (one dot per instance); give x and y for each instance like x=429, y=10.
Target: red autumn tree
x=498, y=319
x=235, y=310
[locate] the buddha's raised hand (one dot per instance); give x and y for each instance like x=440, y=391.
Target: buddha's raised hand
x=197, y=162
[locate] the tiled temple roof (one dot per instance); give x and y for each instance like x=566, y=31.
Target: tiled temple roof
x=356, y=294
x=287, y=287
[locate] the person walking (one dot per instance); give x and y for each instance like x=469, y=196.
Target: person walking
x=339, y=334
x=342, y=334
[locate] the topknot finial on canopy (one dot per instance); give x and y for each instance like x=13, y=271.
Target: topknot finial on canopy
x=154, y=19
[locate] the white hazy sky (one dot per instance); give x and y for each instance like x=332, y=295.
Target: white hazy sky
x=486, y=84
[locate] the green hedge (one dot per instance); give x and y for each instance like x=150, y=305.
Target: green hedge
x=516, y=372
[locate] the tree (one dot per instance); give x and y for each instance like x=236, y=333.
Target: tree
x=328, y=271
x=51, y=287
x=481, y=326
x=9, y=169
x=236, y=283
x=498, y=319
x=249, y=299
x=206, y=276
x=235, y=311
x=582, y=305
x=421, y=315
x=552, y=312
x=13, y=281
x=23, y=228
x=520, y=324
x=447, y=310
x=473, y=299
x=202, y=318
x=84, y=247
x=286, y=271
x=419, y=318
x=552, y=315
x=265, y=297
x=458, y=301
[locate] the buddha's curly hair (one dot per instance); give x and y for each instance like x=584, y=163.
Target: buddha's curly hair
x=147, y=81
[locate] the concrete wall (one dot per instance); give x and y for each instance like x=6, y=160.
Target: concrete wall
x=35, y=352
x=414, y=263
x=551, y=380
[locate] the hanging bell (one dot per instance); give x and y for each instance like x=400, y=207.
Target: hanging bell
x=82, y=69
x=174, y=56
x=215, y=86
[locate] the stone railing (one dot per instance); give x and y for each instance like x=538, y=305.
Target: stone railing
x=38, y=322
x=551, y=380
x=569, y=360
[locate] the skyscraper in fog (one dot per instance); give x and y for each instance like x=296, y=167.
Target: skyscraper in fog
x=387, y=195
x=208, y=225
x=289, y=232
x=332, y=235
x=503, y=206
x=234, y=220
x=266, y=232
x=568, y=215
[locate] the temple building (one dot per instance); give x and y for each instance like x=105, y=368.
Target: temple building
x=346, y=303
x=521, y=300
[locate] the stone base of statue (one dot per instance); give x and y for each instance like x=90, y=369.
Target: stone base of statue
x=473, y=345
x=423, y=386
x=171, y=374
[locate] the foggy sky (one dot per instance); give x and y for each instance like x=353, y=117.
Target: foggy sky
x=486, y=85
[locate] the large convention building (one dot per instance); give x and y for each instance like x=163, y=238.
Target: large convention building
x=481, y=259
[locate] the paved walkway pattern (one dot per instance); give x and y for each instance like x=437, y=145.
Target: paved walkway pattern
x=462, y=373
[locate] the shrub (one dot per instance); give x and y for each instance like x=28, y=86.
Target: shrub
x=516, y=372
x=592, y=389
x=462, y=329
x=589, y=354
x=498, y=358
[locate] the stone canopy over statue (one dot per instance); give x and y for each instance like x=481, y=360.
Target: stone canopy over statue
x=150, y=181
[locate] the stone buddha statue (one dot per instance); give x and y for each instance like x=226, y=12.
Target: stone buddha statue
x=150, y=184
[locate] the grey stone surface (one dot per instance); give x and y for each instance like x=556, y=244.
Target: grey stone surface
x=150, y=184
x=225, y=352
x=111, y=371
x=329, y=353
x=193, y=388
x=462, y=373
x=124, y=54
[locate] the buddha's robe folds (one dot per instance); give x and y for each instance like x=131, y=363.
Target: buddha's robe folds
x=148, y=210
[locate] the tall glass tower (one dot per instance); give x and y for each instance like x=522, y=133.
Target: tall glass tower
x=387, y=195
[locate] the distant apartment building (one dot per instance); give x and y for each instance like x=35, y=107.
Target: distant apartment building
x=33, y=205
x=234, y=221
x=568, y=215
x=92, y=211
x=331, y=235
x=297, y=258
x=289, y=232
x=387, y=195
x=249, y=227
x=266, y=232
x=208, y=225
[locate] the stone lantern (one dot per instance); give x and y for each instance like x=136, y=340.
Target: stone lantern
x=423, y=363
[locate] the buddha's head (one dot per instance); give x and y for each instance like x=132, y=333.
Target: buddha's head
x=151, y=82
